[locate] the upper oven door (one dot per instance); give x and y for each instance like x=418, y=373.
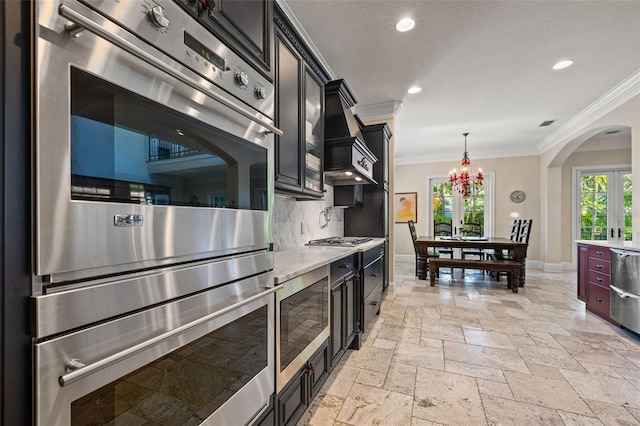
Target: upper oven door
x=141, y=162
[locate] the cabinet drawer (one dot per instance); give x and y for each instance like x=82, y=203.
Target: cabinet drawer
x=372, y=306
x=598, y=299
x=601, y=265
x=342, y=268
x=599, y=252
x=599, y=278
x=373, y=275
x=372, y=254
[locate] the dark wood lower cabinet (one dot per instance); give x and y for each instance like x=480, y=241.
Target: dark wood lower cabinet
x=343, y=308
x=296, y=396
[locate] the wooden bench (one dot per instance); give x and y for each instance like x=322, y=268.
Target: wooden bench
x=511, y=267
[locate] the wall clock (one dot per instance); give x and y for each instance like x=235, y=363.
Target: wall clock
x=517, y=196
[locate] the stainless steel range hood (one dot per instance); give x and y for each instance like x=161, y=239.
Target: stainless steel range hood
x=347, y=160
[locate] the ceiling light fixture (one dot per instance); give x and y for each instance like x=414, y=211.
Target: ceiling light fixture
x=413, y=90
x=348, y=173
x=462, y=182
x=563, y=64
x=405, y=24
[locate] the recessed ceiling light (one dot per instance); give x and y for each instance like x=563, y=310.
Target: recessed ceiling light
x=358, y=178
x=563, y=64
x=415, y=89
x=405, y=24
x=348, y=173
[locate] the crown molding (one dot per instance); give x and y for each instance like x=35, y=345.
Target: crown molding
x=476, y=155
x=379, y=111
x=620, y=94
x=305, y=37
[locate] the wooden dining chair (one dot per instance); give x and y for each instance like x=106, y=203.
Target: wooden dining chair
x=501, y=255
x=443, y=229
x=414, y=237
x=471, y=229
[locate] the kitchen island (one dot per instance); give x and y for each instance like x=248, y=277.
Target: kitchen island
x=596, y=280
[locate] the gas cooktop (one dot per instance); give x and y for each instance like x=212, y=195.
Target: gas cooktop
x=339, y=241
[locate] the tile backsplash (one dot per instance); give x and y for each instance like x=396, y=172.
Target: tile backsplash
x=297, y=222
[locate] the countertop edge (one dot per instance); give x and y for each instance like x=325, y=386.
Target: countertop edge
x=624, y=245
x=292, y=263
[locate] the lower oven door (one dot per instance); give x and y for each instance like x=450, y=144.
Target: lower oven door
x=205, y=359
x=302, y=322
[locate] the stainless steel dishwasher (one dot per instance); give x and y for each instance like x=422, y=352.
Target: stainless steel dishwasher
x=625, y=288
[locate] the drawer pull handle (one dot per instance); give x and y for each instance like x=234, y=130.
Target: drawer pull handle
x=598, y=252
x=374, y=275
x=598, y=299
x=598, y=279
x=599, y=266
x=374, y=303
x=344, y=266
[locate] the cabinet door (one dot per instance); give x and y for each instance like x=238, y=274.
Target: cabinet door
x=292, y=401
x=248, y=22
x=313, y=132
x=318, y=371
x=349, y=313
x=582, y=272
x=337, y=337
x=288, y=116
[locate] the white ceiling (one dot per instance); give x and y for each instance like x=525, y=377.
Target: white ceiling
x=484, y=66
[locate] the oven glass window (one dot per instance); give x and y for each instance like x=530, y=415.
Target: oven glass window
x=128, y=149
x=186, y=385
x=303, y=316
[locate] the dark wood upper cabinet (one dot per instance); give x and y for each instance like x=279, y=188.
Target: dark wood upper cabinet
x=299, y=113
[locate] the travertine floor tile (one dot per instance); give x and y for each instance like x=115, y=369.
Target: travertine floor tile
x=447, y=398
x=371, y=378
x=571, y=419
x=474, y=371
x=401, y=378
x=419, y=356
x=603, y=388
x=371, y=358
x=488, y=357
x=489, y=387
x=611, y=415
x=546, y=392
x=323, y=410
x=368, y=406
x=502, y=411
x=490, y=339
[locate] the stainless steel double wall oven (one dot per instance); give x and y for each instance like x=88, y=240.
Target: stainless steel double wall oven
x=153, y=284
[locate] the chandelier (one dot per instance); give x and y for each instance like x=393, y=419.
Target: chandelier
x=462, y=182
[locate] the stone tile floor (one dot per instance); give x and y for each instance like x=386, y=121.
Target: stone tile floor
x=471, y=352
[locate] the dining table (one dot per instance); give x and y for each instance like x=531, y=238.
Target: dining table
x=426, y=246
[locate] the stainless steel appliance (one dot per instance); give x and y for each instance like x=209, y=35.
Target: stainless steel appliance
x=625, y=288
x=302, y=322
x=148, y=130
x=207, y=358
x=339, y=241
x=154, y=193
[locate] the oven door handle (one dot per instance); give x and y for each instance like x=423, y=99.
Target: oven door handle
x=78, y=370
x=96, y=29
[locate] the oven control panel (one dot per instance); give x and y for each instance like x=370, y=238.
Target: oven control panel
x=173, y=29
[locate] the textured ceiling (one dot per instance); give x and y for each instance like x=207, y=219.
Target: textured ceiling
x=484, y=66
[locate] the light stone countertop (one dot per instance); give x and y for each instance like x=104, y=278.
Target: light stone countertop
x=295, y=262
x=624, y=245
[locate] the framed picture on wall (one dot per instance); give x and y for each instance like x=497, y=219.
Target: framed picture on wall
x=406, y=207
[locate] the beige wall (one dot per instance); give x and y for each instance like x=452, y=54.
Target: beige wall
x=509, y=174
x=556, y=217
x=581, y=159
